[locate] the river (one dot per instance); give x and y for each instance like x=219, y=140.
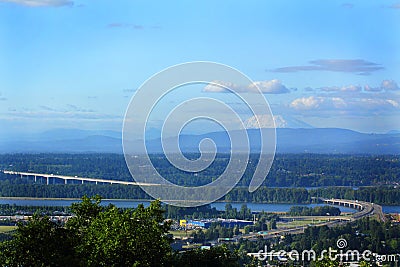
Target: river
x=217, y=205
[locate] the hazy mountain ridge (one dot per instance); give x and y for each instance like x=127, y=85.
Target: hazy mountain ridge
x=310, y=140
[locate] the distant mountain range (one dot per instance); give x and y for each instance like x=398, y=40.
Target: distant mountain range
x=289, y=140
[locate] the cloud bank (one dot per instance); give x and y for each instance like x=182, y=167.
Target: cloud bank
x=266, y=87
x=41, y=3
x=125, y=25
x=359, y=66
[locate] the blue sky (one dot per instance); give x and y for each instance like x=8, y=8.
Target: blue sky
x=76, y=64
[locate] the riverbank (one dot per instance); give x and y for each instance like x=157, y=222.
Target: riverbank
x=132, y=203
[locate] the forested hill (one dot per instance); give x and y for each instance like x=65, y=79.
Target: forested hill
x=288, y=170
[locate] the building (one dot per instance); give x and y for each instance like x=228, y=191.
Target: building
x=199, y=223
x=227, y=223
x=230, y=223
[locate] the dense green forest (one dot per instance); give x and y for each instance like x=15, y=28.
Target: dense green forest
x=16, y=187
x=288, y=170
x=380, y=176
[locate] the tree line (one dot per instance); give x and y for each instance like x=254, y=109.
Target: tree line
x=9, y=210
x=314, y=211
x=384, y=195
x=288, y=170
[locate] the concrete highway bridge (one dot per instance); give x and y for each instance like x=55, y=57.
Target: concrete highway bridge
x=51, y=177
x=365, y=208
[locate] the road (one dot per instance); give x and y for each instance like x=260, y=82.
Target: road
x=366, y=209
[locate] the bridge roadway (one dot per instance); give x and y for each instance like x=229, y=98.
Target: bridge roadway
x=365, y=209
x=73, y=178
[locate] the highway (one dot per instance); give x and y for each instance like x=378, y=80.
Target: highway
x=365, y=209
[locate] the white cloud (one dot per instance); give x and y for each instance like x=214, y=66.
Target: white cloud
x=307, y=103
x=323, y=105
x=372, y=89
x=50, y=114
x=41, y=3
x=359, y=66
x=351, y=88
x=348, y=88
x=330, y=89
x=338, y=102
x=386, y=85
x=373, y=104
x=392, y=102
x=266, y=87
x=269, y=87
x=389, y=85
x=318, y=103
x=220, y=87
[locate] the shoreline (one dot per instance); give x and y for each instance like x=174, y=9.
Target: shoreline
x=149, y=200
x=68, y=199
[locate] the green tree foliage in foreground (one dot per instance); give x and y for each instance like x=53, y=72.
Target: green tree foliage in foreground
x=107, y=236
x=97, y=236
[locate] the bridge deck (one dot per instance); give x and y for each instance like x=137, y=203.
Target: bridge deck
x=365, y=208
x=75, y=178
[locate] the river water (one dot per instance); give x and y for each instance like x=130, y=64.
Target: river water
x=217, y=205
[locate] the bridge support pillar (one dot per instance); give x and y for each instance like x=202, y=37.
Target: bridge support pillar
x=47, y=180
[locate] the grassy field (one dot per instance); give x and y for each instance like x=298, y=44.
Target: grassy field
x=305, y=221
x=181, y=233
x=302, y=222
x=4, y=229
